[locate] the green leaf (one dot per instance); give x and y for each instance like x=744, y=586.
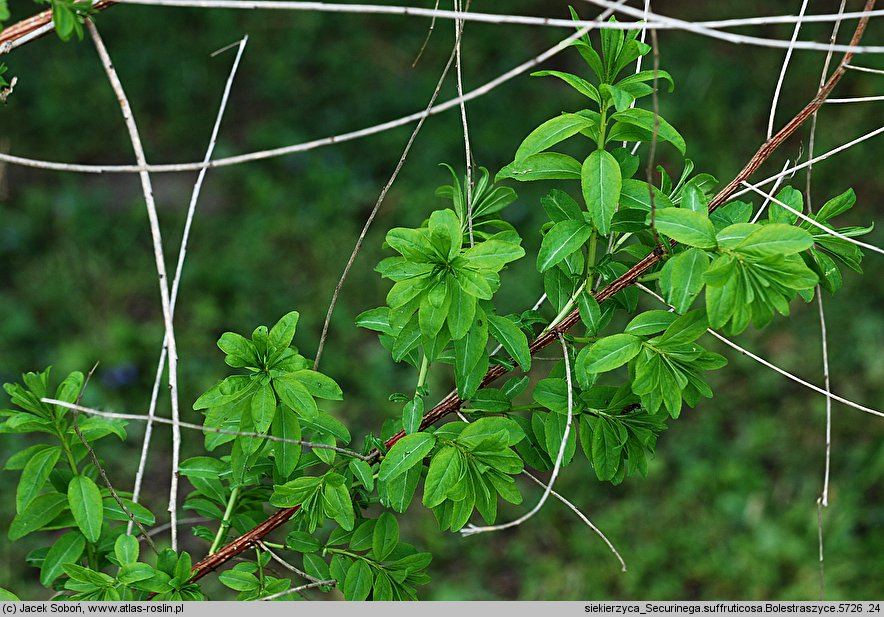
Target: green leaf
x=412, y=244
x=113, y=512
x=512, y=338
x=84, y=499
x=405, y=454
x=319, y=385
x=650, y=322
x=444, y=475
x=550, y=133
x=635, y=194
x=336, y=501
x=41, y=510
x=34, y=476
x=606, y=447
x=445, y=233
x=460, y=312
x=543, y=166
x=620, y=98
x=377, y=319
x=562, y=239
x=560, y=206
x=385, y=536
x=263, y=408
x=302, y=542
x=237, y=345
x=552, y=393
x=239, y=580
x=357, y=584
x=646, y=120
x=67, y=549
x=600, y=182
x=578, y=83
x=608, y=353
x=286, y=455
x=693, y=199
x=283, y=332
x=686, y=226
x=295, y=492
x=480, y=430
x=681, y=279
x=132, y=573
x=8, y=596
x=361, y=470
x=775, y=239
x=126, y=549
x=837, y=205
x=412, y=414
x=294, y=394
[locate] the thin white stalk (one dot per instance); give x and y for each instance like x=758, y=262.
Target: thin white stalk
x=473, y=529
x=703, y=28
x=738, y=39
x=582, y=517
x=459, y=26
x=810, y=162
x=299, y=589
x=865, y=69
x=182, y=251
x=804, y=217
x=160, y=260
x=857, y=99
x=772, y=366
x=776, y=96
x=287, y=565
x=198, y=427
x=772, y=191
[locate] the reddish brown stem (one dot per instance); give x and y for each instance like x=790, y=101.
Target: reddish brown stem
x=452, y=403
x=25, y=27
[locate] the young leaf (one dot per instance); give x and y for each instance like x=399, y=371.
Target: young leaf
x=283, y=332
x=543, y=166
x=600, y=182
x=385, y=536
x=562, y=239
x=686, y=226
x=444, y=476
x=67, y=549
x=512, y=338
x=412, y=414
x=405, y=454
x=263, y=408
x=286, y=455
x=775, y=239
x=34, y=476
x=84, y=499
x=550, y=133
x=357, y=584
x=608, y=353
x=681, y=279
x=578, y=83
x=646, y=120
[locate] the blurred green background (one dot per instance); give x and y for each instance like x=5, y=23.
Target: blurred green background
x=729, y=507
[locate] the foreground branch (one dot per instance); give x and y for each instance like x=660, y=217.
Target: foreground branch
x=452, y=403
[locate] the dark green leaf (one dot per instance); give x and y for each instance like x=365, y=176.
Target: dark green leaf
x=84, y=499
x=412, y=414
x=686, y=226
x=578, y=83
x=551, y=132
x=647, y=120
x=357, y=584
x=512, y=338
x=239, y=580
x=405, y=454
x=263, y=408
x=283, y=332
x=362, y=472
x=34, y=476
x=600, y=182
x=543, y=166
x=385, y=536
x=681, y=279
x=41, y=510
x=562, y=239
x=446, y=471
x=608, y=353
x=286, y=455
x=67, y=549
x=560, y=206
